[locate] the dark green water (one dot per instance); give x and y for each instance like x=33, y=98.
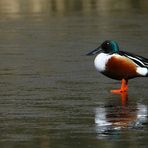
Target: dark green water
x=50, y=93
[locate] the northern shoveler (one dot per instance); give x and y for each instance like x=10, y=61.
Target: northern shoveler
x=119, y=65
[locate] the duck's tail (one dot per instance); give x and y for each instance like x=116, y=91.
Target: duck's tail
x=142, y=71
x=147, y=72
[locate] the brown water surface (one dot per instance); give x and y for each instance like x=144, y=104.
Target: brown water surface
x=51, y=94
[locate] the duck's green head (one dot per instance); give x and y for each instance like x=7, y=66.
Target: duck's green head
x=108, y=46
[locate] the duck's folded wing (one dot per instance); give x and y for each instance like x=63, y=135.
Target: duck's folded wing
x=139, y=60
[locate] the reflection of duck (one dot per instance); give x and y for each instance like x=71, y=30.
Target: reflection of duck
x=119, y=65
x=116, y=116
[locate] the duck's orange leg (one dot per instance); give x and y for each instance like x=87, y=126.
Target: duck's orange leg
x=124, y=87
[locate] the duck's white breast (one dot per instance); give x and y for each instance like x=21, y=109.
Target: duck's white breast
x=101, y=60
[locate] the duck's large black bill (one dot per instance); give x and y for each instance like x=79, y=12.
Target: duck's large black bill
x=95, y=51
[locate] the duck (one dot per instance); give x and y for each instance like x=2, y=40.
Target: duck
x=118, y=64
